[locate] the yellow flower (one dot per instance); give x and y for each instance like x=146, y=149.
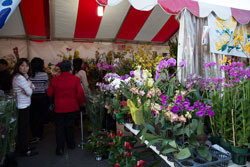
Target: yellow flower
x=224, y=60
x=150, y=82
x=220, y=61
x=236, y=41
x=248, y=51
x=229, y=61
x=64, y=57
x=76, y=52
x=230, y=23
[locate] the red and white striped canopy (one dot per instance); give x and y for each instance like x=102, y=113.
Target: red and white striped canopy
x=127, y=21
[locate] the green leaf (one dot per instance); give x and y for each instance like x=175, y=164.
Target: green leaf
x=177, y=126
x=168, y=150
x=149, y=127
x=204, y=152
x=162, y=121
x=156, y=163
x=150, y=137
x=188, y=131
x=224, y=47
x=173, y=144
x=184, y=153
x=154, y=141
x=142, y=132
x=194, y=124
x=193, y=141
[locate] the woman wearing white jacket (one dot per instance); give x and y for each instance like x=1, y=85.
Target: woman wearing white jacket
x=23, y=88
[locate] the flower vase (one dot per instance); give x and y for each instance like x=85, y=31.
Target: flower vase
x=240, y=160
x=120, y=118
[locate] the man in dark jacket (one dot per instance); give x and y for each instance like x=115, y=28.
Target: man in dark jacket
x=69, y=95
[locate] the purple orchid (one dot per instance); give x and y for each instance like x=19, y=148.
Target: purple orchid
x=182, y=63
x=171, y=62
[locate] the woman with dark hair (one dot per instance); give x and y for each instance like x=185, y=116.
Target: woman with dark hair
x=79, y=72
x=68, y=96
x=23, y=88
x=39, y=105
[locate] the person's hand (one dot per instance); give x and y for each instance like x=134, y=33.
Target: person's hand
x=23, y=91
x=32, y=87
x=15, y=51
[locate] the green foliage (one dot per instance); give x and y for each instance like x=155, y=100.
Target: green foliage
x=8, y=125
x=173, y=47
x=95, y=108
x=122, y=151
x=97, y=142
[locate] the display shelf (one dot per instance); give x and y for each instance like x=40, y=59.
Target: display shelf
x=135, y=132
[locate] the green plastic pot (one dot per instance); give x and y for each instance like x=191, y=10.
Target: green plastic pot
x=225, y=144
x=215, y=139
x=248, y=158
x=120, y=117
x=236, y=151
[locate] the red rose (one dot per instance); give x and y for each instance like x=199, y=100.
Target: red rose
x=128, y=154
x=111, y=144
x=111, y=135
x=117, y=164
x=127, y=145
x=141, y=163
x=119, y=133
x=123, y=103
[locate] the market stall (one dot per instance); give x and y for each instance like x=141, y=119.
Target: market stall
x=177, y=103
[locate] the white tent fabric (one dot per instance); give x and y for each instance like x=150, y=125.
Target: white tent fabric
x=191, y=50
x=50, y=51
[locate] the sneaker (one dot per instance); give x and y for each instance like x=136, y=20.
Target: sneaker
x=34, y=140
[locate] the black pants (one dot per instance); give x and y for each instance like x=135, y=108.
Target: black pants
x=23, y=129
x=65, y=129
x=38, y=114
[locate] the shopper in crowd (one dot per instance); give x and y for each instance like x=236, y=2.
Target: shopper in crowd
x=39, y=105
x=68, y=96
x=5, y=78
x=23, y=88
x=79, y=72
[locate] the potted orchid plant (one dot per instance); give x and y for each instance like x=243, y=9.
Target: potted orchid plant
x=230, y=99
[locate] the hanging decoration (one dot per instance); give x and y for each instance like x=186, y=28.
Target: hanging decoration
x=229, y=38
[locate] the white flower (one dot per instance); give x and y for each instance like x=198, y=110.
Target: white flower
x=150, y=82
x=116, y=83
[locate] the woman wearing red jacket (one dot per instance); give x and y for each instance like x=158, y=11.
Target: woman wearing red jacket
x=68, y=95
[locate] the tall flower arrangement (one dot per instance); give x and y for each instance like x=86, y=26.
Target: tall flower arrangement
x=174, y=115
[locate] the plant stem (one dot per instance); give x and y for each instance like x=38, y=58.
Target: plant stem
x=212, y=124
x=183, y=133
x=233, y=127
